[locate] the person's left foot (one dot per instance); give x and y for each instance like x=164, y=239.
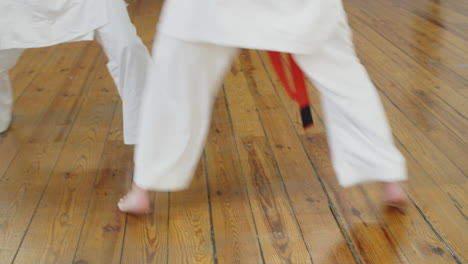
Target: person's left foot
x=135, y=202
x=394, y=195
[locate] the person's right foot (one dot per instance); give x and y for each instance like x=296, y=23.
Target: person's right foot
x=394, y=195
x=135, y=202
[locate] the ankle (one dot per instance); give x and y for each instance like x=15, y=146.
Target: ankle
x=138, y=189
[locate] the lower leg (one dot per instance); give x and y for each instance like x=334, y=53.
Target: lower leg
x=129, y=63
x=8, y=59
x=6, y=101
x=175, y=115
x=359, y=136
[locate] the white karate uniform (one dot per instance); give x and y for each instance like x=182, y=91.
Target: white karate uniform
x=8, y=59
x=37, y=23
x=194, y=49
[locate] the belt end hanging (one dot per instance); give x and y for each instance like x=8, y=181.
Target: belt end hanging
x=300, y=93
x=306, y=116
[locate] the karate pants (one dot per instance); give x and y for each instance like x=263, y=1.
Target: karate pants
x=129, y=61
x=176, y=112
x=8, y=59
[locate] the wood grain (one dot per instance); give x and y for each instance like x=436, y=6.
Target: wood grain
x=189, y=223
x=103, y=229
x=233, y=224
x=66, y=197
x=303, y=189
x=264, y=191
x=277, y=228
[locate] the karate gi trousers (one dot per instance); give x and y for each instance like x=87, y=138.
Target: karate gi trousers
x=176, y=112
x=129, y=61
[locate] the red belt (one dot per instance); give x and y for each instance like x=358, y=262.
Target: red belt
x=300, y=94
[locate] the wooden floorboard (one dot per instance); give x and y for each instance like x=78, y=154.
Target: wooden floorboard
x=264, y=190
x=235, y=234
x=277, y=226
x=66, y=197
x=103, y=230
x=302, y=190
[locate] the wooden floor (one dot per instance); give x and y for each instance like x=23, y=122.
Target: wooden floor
x=264, y=191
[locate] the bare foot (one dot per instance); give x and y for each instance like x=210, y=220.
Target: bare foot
x=135, y=202
x=394, y=195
